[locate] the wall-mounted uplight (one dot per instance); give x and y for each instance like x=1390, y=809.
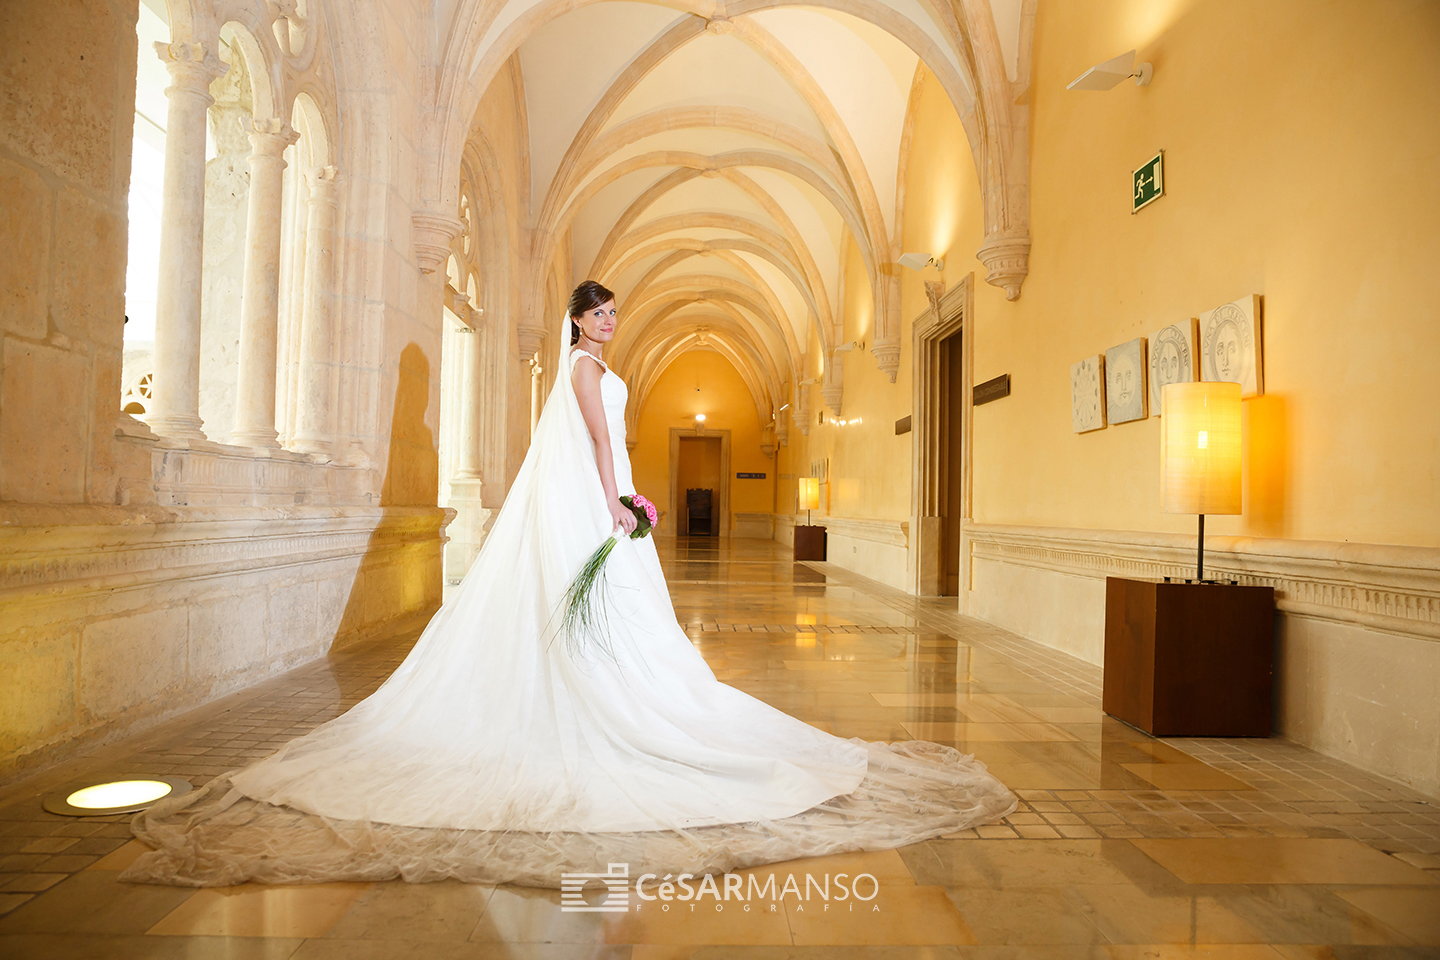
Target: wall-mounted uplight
x=1104, y=76
x=699, y=418
x=847, y=347
x=115, y=796
x=919, y=261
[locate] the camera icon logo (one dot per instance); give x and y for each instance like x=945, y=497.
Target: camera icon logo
x=617, y=890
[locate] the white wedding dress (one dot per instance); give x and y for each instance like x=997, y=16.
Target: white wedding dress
x=495, y=754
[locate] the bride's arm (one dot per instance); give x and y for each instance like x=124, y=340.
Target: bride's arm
x=586, y=378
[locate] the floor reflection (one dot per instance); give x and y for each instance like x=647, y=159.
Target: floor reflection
x=1122, y=844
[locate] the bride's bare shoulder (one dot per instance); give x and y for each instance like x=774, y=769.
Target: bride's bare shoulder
x=586, y=376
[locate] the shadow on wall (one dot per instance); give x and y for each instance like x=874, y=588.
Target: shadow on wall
x=397, y=587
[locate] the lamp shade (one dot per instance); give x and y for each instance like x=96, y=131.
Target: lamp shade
x=809, y=493
x=1200, y=447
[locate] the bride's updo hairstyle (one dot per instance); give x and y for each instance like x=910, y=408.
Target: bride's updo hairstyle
x=587, y=296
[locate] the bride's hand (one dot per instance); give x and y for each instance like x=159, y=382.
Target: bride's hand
x=622, y=516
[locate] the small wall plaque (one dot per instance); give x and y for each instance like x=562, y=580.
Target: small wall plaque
x=1148, y=183
x=749, y=476
x=991, y=390
x=902, y=426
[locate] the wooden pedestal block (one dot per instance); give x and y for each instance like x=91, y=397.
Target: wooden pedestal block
x=809, y=543
x=1189, y=659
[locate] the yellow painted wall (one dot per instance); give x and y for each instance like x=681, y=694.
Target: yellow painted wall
x=727, y=405
x=1298, y=167
x=869, y=463
x=1301, y=147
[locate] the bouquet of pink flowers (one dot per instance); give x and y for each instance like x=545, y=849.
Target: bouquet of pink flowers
x=584, y=602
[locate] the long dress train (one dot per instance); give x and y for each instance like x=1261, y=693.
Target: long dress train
x=494, y=755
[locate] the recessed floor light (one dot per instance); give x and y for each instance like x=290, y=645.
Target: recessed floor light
x=114, y=796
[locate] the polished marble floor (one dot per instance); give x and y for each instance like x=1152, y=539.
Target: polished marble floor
x=1123, y=846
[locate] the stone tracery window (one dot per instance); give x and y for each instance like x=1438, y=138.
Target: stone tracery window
x=467, y=235
x=223, y=200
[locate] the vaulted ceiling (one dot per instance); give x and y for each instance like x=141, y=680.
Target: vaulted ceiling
x=712, y=165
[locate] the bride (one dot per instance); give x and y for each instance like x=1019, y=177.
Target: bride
x=498, y=752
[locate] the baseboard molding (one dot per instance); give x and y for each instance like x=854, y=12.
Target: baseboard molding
x=894, y=533
x=759, y=526
x=1382, y=587
x=878, y=549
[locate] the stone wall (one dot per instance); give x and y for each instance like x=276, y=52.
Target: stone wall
x=117, y=617
x=67, y=90
x=141, y=575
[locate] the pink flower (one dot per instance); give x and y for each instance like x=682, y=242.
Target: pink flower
x=647, y=506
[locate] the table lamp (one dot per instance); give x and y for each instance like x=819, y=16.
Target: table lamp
x=1200, y=452
x=809, y=495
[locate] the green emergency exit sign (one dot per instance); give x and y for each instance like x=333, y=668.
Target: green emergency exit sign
x=1148, y=183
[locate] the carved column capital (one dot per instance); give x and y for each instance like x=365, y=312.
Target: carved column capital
x=323, y=183
x=193, y=67
x=528, y=338
x=269, y=138
x=1007, y=261
x=460, y=306
x=886, y=351
x=432, y=233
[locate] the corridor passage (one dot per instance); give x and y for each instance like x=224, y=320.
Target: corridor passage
x=1123, y=846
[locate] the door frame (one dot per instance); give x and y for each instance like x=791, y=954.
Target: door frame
x=948, y=314
x=722, y=504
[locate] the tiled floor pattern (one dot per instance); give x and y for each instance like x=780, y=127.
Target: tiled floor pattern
x=1123, y=847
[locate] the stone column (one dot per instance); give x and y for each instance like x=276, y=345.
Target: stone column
x=472, y=378
x=175, y=410
x=260, y=304
x=537, y=400
x=313, y=421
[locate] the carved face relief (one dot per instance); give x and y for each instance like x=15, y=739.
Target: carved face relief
x=1122, y=380
x=1228, y=349
x=1225, y=350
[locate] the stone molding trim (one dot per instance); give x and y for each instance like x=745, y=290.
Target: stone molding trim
x=1007, y=261
x=758, y=525
x=200, y=473
x=892, y=533
x=886, y=351
x=432, y=234
x=1382, y=587
x=53, y=552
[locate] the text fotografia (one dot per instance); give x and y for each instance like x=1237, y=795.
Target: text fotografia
x=743, y=893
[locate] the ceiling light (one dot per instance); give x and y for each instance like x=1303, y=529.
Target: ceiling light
x=1104, y=76
x=114, y=796
x=919, y=261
